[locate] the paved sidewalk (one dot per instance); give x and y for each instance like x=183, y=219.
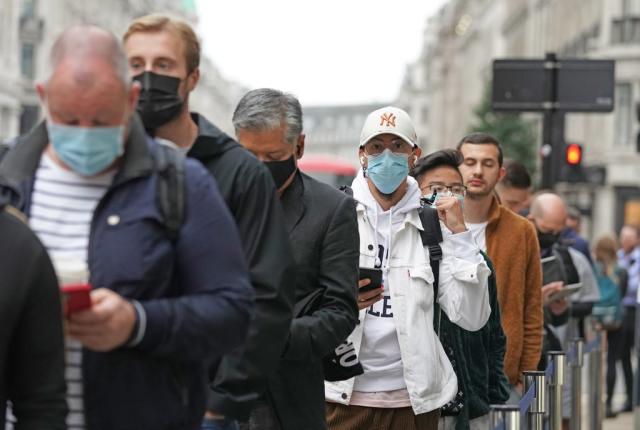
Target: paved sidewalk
x=621, y=422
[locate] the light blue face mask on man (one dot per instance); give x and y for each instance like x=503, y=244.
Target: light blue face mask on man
x=87, y=151
x=388, y=170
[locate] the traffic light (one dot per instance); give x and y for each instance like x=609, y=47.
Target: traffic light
x=572, y=170
x=573, y=154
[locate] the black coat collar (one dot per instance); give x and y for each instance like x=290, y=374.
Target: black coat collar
x=211, y=141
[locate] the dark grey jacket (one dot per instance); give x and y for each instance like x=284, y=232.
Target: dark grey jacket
x=248, y=189
x=323, y=229
x=31, y=345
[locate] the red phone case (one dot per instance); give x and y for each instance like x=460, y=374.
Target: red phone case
x=77, y=297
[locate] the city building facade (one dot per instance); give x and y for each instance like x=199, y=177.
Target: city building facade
x=334, y=131
x=34, y=26
x=465, y=36
x=9, y=68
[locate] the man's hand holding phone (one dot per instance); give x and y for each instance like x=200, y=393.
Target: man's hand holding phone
x=370, y=287
x=557, y=307
x=106, y=325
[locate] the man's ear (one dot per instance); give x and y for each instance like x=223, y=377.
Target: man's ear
x=193, y=79
x=42, y=93
x=362, y=158
x=300, y=146
x=502, y=172
x=413, y=159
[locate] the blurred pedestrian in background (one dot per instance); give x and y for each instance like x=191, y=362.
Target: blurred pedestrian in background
x=515, y=189
x=608, y=312
x=629, y=259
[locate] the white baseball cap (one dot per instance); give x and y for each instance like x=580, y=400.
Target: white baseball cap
x=391, y=120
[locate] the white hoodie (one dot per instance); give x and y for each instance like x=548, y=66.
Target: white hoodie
x=380, y=350
x=402, y=350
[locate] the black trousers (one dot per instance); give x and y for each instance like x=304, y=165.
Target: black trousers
x=620, y=349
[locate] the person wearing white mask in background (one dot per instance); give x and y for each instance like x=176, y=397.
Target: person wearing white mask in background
x=407, y=375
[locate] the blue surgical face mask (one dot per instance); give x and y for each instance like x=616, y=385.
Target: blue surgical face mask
x=388, y=170
x=86, y=151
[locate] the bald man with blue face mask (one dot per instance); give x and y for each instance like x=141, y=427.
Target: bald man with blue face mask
x=407, y=375
x=161, y=299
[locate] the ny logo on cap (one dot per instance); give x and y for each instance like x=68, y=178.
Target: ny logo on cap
x=388, y=119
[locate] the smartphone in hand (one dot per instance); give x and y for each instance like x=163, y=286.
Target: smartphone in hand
x=76, y=297
x=375, y=275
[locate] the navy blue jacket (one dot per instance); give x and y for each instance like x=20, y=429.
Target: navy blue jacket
x=195, y=291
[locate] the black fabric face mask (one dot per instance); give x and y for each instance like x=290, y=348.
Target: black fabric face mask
x=159, y=101
x=547, y=240
x=281, y=170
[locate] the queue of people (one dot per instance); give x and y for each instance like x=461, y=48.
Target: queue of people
x=159, y=273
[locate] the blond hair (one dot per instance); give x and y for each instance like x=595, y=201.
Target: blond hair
x=158, y=22
x=605, y=253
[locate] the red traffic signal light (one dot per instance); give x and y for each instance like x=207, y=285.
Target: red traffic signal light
x=573, y=154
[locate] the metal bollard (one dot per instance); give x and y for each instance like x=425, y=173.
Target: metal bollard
x=539, y=407
x=504, y=417
x=595, y=386
x=576, y=383
x=555, y=389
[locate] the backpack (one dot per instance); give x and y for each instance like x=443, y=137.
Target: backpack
x=170, y=189
x=608, y=311
x=559, y=267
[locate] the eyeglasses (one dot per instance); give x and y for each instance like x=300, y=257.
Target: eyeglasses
x=439, y=188
x=375, y=147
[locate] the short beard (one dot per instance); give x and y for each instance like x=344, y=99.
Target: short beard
x=479, y=196
x=387, y=196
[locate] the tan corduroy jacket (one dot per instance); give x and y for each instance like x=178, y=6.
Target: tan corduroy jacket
x=512, y=245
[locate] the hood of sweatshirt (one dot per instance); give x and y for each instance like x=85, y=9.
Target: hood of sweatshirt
x=385, y=223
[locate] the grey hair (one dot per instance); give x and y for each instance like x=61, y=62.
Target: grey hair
x=84, y=41
x=268, y=109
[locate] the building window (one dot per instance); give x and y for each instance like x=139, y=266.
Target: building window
x=27, y=61
x=630, y=7
x=623, y=114
x=28, y=9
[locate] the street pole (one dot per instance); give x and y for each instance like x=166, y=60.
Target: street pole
x=576, y=384
x=504, y=417
x=595, y=385
x=555, y=386
x=538, y=408
x=552, y=128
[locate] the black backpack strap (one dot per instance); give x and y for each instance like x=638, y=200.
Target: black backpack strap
x=170, y=193
x=432, y=238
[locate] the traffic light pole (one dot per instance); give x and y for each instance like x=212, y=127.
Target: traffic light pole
x=553, y=127
x=553, y=148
